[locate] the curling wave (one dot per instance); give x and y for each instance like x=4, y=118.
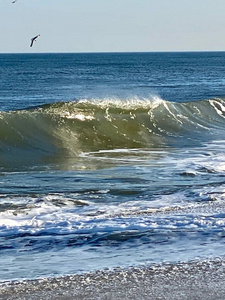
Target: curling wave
x=70, y=128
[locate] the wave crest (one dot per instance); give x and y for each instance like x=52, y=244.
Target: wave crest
x=69, y=128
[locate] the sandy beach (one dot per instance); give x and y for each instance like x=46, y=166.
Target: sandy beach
x=200, y=280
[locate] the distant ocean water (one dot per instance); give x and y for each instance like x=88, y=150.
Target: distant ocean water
x=110, y=159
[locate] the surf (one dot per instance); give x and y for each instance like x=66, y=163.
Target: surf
x=68, y=129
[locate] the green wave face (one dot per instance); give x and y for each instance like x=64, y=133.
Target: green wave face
x=66, y=129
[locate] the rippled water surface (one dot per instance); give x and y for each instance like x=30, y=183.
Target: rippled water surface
x=110, y=160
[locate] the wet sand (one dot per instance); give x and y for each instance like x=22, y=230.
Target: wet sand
x=199, y=280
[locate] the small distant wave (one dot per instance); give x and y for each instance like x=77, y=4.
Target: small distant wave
x=67, y=129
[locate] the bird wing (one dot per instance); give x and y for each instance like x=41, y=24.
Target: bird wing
x=32, y=41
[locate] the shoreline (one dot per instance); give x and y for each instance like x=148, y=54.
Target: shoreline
x=195, y=280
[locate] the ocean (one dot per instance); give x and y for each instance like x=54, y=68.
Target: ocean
x=110, y=160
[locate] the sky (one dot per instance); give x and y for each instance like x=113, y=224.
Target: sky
x=112, y=25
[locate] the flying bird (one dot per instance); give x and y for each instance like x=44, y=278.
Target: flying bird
x=14, y=1
x=34, y=39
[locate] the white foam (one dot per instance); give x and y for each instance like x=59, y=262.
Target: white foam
x=46, y=216
x=81, y=117
x=130, y=103
x=221, y=110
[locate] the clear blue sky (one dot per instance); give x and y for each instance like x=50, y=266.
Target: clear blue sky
x=112, y=25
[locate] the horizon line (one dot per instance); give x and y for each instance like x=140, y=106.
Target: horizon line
x=118, y=52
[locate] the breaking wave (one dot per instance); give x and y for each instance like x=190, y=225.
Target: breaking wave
x=69, y=128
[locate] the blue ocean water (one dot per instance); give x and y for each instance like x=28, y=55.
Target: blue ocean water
x=110, y=159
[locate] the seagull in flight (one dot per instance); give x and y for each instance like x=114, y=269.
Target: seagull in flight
x=34, y=39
